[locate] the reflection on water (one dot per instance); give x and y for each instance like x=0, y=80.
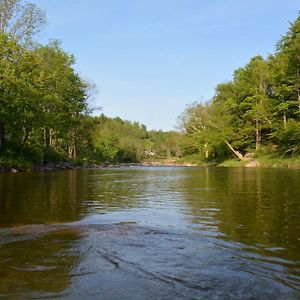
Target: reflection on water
x=257, y=207
x=151, y=233
x=35, y=267
x=41, y=197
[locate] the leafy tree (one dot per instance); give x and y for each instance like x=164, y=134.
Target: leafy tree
x=63, y=98
x=255, y=107
x=258, y=107
x=16, y=69
x=21, y=20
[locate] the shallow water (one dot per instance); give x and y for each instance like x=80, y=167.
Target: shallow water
x=151, y=233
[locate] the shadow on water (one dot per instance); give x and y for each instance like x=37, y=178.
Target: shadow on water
x=151, y=233
x=41, y=197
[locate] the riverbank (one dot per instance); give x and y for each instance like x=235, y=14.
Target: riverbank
x=59, y=166
x=267, y=161
x=169, y=163
x=73, y=166
x=262, y=161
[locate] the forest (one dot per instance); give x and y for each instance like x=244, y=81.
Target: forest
x=46, y=116
x=257, y=112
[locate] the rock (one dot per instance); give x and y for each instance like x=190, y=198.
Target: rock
x=248, y=156
x=253, y=164
x=13, y=170
x=48, y=169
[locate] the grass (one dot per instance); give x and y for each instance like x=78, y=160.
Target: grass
x=233, y=163
x=17, y=163
x=279, y=162
x=267, y=160
x=193, y=159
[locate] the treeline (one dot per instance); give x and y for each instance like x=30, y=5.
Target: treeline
x=44, y=112
x=115, y=140
x=45, y=116
x=257, y=112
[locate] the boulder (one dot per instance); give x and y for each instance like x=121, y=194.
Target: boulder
x=253, y=164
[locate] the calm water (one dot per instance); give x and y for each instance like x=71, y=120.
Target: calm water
x=151, y=233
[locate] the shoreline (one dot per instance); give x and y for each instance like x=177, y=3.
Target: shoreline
x=263, y=162
x=74, y=166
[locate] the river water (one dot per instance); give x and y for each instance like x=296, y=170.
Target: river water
x=150, y=233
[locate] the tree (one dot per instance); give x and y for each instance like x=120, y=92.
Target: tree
x=288, y=51
x=14, y=84
x=252, y=83
x=211, y=126
x=63, y=98
x=194, y=121
x=21, y=20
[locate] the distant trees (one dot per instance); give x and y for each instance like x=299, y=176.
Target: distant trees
x=117, y=140
x=165, y=144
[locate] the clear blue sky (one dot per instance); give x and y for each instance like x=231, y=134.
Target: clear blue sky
x=149, y=58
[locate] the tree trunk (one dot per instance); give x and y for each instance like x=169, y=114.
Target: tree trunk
x=206, y=150
x=2, y=135
x=237, y=153
x=26, y=136
x=52, y=140
x=168, y=153
x=258, y=135
x=298, y=86
x=72, y=146
x=284, y=122
x=47, y=137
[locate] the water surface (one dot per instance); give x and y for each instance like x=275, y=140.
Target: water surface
x=151, y=233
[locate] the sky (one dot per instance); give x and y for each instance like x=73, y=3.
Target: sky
x=151, y=58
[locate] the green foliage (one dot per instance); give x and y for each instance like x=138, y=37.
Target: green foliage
x=42, y=100
x=116, y=140
x=22, y=20
x=165, y=144
x=45, y=117
x=258, y=109
x=288, y=139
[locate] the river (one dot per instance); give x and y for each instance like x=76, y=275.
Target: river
x=151, y=233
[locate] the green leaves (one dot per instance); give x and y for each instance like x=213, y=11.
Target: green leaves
x=21, y=20
x=42, y=97
x=259, y=107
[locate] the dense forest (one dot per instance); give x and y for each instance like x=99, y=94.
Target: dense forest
x=45, y=115
x=257, y=112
